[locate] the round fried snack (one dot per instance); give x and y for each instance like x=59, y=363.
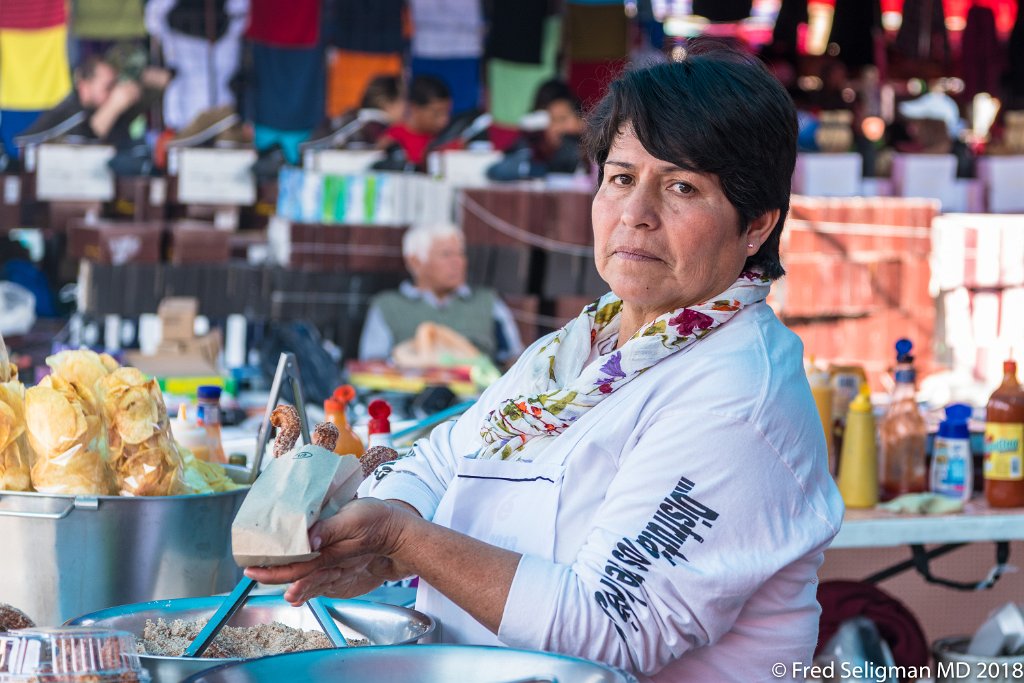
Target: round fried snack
x=76, y=471
x=136, y=416
x=12, y=618
x=53, y=423
x=14, y=470
x=326, y=435
x=375, y=457
x=286, y=419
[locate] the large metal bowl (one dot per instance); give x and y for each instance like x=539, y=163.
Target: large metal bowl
x=420, y=664
x=379, y=623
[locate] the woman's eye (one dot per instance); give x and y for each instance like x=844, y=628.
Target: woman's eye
x=682, y=188
x=621, y=179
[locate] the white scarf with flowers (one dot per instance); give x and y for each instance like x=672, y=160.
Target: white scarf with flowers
x=559, y=389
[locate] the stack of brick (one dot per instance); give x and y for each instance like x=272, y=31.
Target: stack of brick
x=857, y=279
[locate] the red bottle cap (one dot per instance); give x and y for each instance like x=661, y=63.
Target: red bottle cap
x=379, y=413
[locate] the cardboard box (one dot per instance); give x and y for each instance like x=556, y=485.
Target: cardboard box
x=115, y=242
x=178, y=317
x=198, y=242
x=196, y=357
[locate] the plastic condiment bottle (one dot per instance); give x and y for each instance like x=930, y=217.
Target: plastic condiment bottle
x=186, y=433
x=822, y=391
x=380, y=426
x=952, y=464
x=208, y=417
x=1004, y=442
x=858, y=463
x=903, y=433
x=335, y=411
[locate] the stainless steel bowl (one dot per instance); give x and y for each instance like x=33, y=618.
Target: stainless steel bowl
x=379, y=623
x=420, y=664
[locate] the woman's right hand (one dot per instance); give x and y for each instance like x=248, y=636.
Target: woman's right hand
x=355, y=547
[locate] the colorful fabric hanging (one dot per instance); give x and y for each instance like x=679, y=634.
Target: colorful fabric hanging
x=292, y=24
x=517, y=31
x=28, y=15
x=596, y=33
x=107, y=19
x=511, y=85
x=447, y=29
x=462, y=76
x=350, y=72
x=287, y=87
x=360, y=26
x=34, y=72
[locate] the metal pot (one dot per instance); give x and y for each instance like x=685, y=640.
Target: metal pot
x=379, y=623
x=423, y=663
x=68, y=555
x=953, y=665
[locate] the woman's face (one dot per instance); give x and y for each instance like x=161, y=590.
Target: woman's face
x=664, y=237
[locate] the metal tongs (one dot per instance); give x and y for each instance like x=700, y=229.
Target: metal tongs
x=287, y=366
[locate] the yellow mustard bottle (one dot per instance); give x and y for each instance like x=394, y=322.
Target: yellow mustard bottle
x=858, y=463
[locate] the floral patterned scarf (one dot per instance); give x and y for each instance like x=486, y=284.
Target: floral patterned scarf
x=559, y=389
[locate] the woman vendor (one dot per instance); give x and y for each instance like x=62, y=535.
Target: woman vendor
x=647, y=486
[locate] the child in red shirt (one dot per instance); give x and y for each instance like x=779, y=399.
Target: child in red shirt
x=428, y=113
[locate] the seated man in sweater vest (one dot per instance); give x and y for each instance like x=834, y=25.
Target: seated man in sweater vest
x=435, y=255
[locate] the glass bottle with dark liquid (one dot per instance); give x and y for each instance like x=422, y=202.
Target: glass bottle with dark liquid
x=1004, y=442
x=903, y=434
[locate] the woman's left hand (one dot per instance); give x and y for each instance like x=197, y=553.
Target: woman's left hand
x=355, y=547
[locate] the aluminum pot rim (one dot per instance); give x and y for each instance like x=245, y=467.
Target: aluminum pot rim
x=368, y=650
x=430, y=624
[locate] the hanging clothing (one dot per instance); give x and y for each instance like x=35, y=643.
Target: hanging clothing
x=855, y=26
x=447, y=29
x=12, y=124
x=1015, y=66
x=920, y=36
x=286, y=89
x=350, y=72
x=29, y=15
x=361, y=26
x=107, y=19
x=723, y=10
x=462, y=76
x=292, y=24
x=596, y=33
x=980, y=54
x=792, y=13
x=34, y=71
x=517, y=31
x=203, y=70
x=590, y=80
x=513, y=85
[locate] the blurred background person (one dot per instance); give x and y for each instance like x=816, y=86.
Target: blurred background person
x=435, y=256
x=550, y=140
x=427, y=114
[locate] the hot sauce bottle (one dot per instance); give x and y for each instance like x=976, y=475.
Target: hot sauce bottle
x=1004, y=442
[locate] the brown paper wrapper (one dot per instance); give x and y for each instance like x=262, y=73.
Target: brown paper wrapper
x=293, y=492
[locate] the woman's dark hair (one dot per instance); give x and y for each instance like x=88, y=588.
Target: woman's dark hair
x=717, y=111
x=425, y=89
x=381, y=91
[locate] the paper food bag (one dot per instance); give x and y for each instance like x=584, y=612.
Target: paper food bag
x=272, y=525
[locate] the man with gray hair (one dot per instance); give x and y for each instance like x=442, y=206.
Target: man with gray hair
x=435, y=256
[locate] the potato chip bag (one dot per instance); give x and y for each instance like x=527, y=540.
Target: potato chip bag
x=145, y=459
x=14, y=451
x=65, y=434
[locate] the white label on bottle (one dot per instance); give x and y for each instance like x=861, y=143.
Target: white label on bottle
x=951, y=465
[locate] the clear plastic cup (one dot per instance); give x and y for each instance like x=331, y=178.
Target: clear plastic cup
x=73, y=654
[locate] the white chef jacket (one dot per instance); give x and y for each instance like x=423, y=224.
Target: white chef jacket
x=723, y=435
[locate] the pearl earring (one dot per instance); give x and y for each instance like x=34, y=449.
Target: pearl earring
x=750, y=245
